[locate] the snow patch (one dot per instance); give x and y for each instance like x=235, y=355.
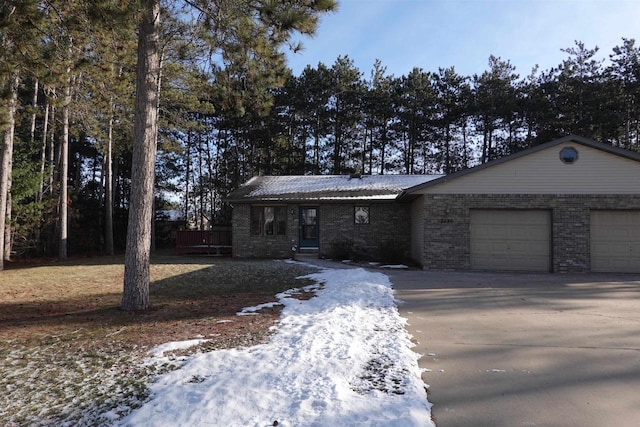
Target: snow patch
x=158, y=351
x=252, y=311
x=340, y=358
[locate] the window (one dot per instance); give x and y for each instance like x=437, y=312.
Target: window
x=361, y=215
x=268, y=220
x=568, y=155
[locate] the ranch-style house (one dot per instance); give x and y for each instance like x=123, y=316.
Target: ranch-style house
x=570, y=205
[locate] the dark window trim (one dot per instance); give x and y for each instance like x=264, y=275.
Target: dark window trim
x=565, y=159
x=368, y=217
x=262, y=226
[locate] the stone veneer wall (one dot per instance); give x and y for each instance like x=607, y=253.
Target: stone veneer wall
x=389, y=225
x=446, y=225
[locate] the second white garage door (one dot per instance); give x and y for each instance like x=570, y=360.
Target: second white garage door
x=517, y=240
x=615, y=241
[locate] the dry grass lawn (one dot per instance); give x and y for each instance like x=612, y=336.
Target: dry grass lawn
x=68, y=354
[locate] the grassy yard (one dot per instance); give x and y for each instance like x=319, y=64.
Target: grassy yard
x=68, y=354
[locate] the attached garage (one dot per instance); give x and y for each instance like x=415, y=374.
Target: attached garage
x=570, y=205
x=516, y=240
x=615, y=241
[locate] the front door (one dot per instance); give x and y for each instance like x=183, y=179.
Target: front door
x=309, y=227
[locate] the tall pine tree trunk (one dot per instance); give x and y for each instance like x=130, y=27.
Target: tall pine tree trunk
x=465, y=157
x=483, y=158
x=363, y=156
x=316, y=147
x=43, y=152
x=200, y=185
x=211, y=194
x=153, y=201
x=135, y=294
x=108, y=190
x=6, y=159
x=7, y=226
x=52, y=146
x=64, y=172
x=187, y=177
x=447, y=149
x=34, y=105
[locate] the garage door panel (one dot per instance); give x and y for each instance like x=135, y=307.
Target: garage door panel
x=498, y=248
x=498, y=232
x=613, y=251
x=510, y=240
x=618, y=233
x=615, y=241
x=619, y=265
x=614, y=265
x=527, y=248
x=518, y=248
x=528, y=232
x=519, y=234
x=529, y=262
x=538, y=248
x=481, y=247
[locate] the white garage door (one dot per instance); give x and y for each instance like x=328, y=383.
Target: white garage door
x=615, y=241
x=510, y=240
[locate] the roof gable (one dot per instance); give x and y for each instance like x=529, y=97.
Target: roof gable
x=599, y=169
x=326, y=187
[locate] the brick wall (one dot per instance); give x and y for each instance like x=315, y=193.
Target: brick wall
x=446, y=225
x=389, y=225
x=246, y=245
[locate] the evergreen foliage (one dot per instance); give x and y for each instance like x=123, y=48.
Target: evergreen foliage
x=230, y=109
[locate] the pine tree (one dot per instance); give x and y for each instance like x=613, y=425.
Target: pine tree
x=315, y=92
x=136, y=275
x=495, y=104
x=6, y=156
x=345, y=112
x=248, y=37
x=579, y=92
x=624, y=74
x=18, y=20
x=379, y=112
x=416, y=104
x=452, y=91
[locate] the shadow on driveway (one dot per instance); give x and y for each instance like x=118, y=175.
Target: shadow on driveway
x=526, y=349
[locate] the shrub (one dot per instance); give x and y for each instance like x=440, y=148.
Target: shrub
x=341, y=249
x=348, y=249
x=392, y=251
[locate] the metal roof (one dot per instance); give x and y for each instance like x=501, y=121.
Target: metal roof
x=326, y=187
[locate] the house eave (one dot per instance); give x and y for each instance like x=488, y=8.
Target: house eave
x=320, y=199
x=571, y=138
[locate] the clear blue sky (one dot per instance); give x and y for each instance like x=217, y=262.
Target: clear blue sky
x=463, y=33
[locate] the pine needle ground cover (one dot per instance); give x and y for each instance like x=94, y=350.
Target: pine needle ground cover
x=68, y=353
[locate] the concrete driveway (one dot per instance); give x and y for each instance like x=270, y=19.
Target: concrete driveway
x=526, y=349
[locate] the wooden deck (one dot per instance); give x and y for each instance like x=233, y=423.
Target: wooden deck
x=216, y=241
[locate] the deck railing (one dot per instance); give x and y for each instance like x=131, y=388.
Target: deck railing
x=216, y=241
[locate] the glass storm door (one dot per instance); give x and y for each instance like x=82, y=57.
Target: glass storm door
x=309, y=227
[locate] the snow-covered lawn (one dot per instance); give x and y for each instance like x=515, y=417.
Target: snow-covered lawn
x=340, y=358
